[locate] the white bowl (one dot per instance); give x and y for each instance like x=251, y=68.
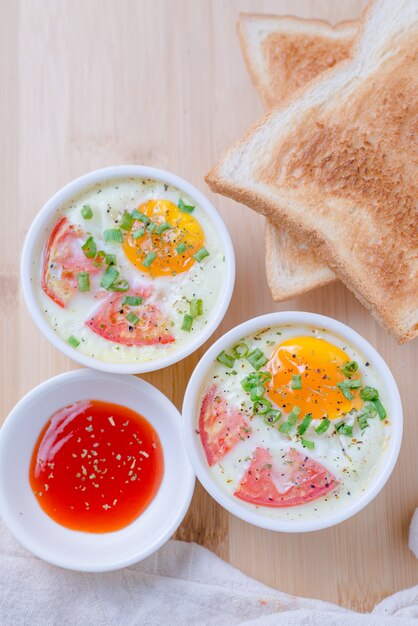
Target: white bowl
x=191, y=405
x=91, y=552
x=41, y=227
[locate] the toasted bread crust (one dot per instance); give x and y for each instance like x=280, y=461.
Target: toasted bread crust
x=283, y=54
x=353, y=198
x=386, y=316
x=301, y=60
x=292, y=51
x=338, y=163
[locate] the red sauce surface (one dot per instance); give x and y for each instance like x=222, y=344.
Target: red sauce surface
x=96, y=466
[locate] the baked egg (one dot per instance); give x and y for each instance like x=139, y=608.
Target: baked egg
x=292, y=421
x=130, y=271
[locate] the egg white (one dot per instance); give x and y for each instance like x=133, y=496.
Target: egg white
x=173, y=294
x=353, y=464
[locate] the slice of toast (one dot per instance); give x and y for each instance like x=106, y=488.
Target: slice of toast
x=338, y=165
x=283, y=54
x=291, y=267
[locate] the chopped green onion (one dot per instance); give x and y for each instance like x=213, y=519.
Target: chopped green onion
x=344, y=429
x=261, y=406
x=99, y=259
x=346, y=392
x=349, y=368
x=257, y=359
x=113, y=234
x=109, y=277
x=73, y=341
x=249, y=382
x=346, y=385
x=86, y=212
x=285, y=427
x=83, y=281
x=161, y=228
x=369, y=410
x=323, y=426
x=126, y=221
x=272, y=417
x=362, y=421
x=201, y=254
x=292, y=418
x=137, y=215
x=181, y=247
x=132, y=300
x=185, y=208
x=89, y=248
x=187, y=323
x=110, y=259
x=303, y=427
x=257, y=392
x=255, y=379
x=265, y=377
x=379, y=408
x=296, y=382
x=352, y=384
x=240, y=350
x=120, y=285
x=132, y=318
x=307, y=444
x=151, y=227
x=149, y=259
x=369, y=393
x=137, y=234
x=224, y=358
x=196, y=307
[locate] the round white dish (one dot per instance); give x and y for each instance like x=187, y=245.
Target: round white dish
x=195, y=450
x=41, y=227
x=92, y=552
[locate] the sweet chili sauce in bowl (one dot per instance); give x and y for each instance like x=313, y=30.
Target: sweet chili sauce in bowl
x=94, y=474
x=96, y=466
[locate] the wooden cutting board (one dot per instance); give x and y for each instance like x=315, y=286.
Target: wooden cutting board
x=162, y=82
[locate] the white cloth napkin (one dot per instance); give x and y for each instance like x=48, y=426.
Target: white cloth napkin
x=181, y=584
x=413, y=534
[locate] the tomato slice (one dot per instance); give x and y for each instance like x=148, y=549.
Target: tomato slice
x=298, y=480
x=63, y=260
x=221, y=426
x=110, y=321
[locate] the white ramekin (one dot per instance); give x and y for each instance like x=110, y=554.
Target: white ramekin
x=39, y=231
x=92, y=552
x=191, y=404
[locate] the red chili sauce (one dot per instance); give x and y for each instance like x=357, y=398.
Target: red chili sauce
x=96, y=466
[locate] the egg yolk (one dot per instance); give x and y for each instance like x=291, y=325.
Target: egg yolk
x=172, y=249
x=318, y=363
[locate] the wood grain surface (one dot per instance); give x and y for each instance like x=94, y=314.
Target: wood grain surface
x=90, y=83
